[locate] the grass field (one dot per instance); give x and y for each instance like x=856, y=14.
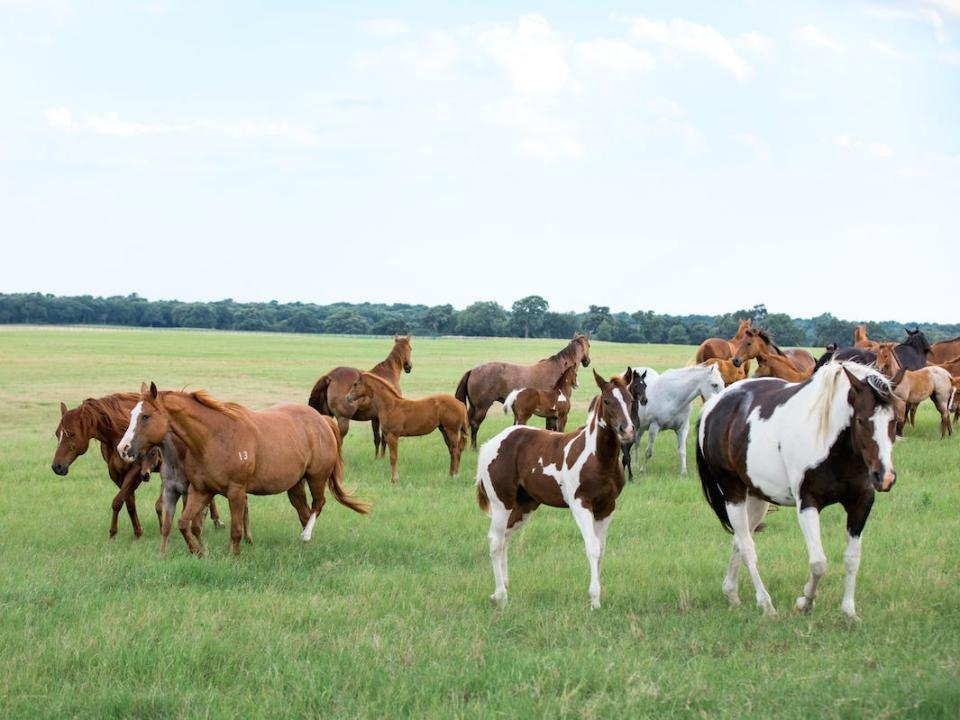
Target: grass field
x=388, y=615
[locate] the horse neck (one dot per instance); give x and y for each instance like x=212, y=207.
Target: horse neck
x=608, y=444
x=686, y=386
x=193, y=422
x=390, y=367
x=380, y=397
x=103, y=427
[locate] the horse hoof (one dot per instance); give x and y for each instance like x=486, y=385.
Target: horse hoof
x=218, y=524
x=733, y=596
x=770, y=612
x=802, y=605
x=594, y=603
x=499, y=600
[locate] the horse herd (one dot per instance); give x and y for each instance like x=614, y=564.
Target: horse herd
x=801, y=432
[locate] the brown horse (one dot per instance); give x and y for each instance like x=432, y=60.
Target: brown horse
x=954, y=405
x=104, y=419
x=722, y=349
x=523, y=468
x=553, y=405
x=728, y=371
x=234, y=451
x=944, y=351
x=915, y=386
x=329, y=394
x=491, y=382
x=779, y=366
x=402, y=417
x=860, y=339
x=757, y=340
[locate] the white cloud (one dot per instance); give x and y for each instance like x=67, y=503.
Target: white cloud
x=531, y=52
x=759, y=45
x=919, y=14
x=614, y=56
x=690, y=38
x=886, y=51
x=813, y=37
x=950, y=7
x=670, y=120
x=850, y=142
x=384, y=27
x=112, y=125
x=426, y=59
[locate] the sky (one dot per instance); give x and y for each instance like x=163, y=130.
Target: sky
x=682, y=157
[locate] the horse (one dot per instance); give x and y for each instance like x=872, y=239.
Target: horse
x=756, y=340
x=860, y=339
x=329, y=393
x=778, y=366
x=834, y=354
x=522, y=468
x=233, y=451
x=915, y=386
x=913, y=352
x=104, y=419
x=491, y=382
x=728, y=371
x=670, y=398
x=823, y=441
x=719, y=349
x=944, y=351
x=553, y=405
x=403, y=417
x=954, y=405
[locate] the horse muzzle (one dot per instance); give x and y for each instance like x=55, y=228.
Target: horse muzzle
x=883, y=482
x=408, y=367
x=60, y=469
x=625, y=433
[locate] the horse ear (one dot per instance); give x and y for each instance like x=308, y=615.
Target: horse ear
x=628, y=375
x=601, y=383
x=63, y=409
x=153, y=390
x=643, y=375
x=856, y=383
x=143, y=388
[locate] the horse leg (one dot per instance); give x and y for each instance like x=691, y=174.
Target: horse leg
x=247, y=535
x=756, y=509
x=317, y=485
x=518, y=517
x=682, y=445
x=298, y=498
x=857, y=514
x=651, y=436
x=496, y=536
x=600, y=528
x=392, y=442
x=131, y=503
x=586, y=522
x=158, y=506
x=237, y=497
x=168, y=507
x=809, y=519
x=375, y=426
x=740, y=521
x=196, y=501
x=625, y=449
x=122, y=497
x=476, y=415
x=344, y=425
x=215, y=514
x=946, y=426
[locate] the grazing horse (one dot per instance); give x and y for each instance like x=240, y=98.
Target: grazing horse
x=757, y=340
x=105, y=420
x=233, y=451
x=329, y=394
x=824, y=441
x=670, y=398
x=944, y=351
x=522, y=468
x=915, y=386
x=860, y=339
x=402, y=417
x=553, y=405
x=490, y=382
x=778, y=366
x=719, y=349
x=728, y=371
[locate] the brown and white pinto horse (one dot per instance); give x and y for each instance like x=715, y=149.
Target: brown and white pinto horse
x=553, y=405
x=491, y=382
x=404, y=417
x=522, y=468
x=234, y=451
x=720, y=349
x=824, y=441
x=105, y=419
x=329, y=394
x=757, y=340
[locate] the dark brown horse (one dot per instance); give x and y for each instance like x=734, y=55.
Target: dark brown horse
x=554, y=405
x=757, y=340
x=105, y=419
x=234, y=451
x=523, y=468
x=329, y=394
x=491, y=382
x=721, y=349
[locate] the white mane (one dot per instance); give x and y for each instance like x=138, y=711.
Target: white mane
x=830, y=386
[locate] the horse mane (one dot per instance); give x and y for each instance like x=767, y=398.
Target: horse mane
x=768, y=339
x=395, y=351
x=382, y=383
x=230, y=409
x=572, y=370
x=108, y=409
x=569, y=352
x=828, y=379
x=918, y=341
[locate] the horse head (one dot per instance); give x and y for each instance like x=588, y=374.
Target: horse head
x=873, y=426
x=150, y=463
x=613, y=406
x=755, y=340
x=73, y=437
x=887, y=361
x=638, y=385
x=149, y=422
x=401, y=346
x=583, y=341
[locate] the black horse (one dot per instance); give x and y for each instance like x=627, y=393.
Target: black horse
x=911, y=353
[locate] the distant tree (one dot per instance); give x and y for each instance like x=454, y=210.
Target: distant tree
x=596, y=316
x=346, y=322
x=528, y=314
x=827, y=329
x=439, y=319
x=783, y=329
x=389, y=324
x=195, y=315
x=678, y=335
x=303, y=321
x=483, y=319
x=559, y=325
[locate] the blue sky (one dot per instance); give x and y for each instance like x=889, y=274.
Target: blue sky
x=681, y=157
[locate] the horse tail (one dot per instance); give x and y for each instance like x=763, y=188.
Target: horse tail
x=461, y=393
x=511, y=399
x=482, y=500
x=318, y=397
x=711, y=488
x=334, y=482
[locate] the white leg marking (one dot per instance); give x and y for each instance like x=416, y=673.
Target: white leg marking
x=809, y=519
x=682, y=446
x=740, y=521
x=591, y=542
x=498, y=547
x=730, y=580
x=308, y=529
x=851, y=564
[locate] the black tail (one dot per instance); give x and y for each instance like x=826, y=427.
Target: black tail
x=711, y=488
x=461, y=393
x=318, y=396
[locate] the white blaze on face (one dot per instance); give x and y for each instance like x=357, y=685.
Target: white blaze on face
x=881, y=422
x=623, y=405
x=127, y=438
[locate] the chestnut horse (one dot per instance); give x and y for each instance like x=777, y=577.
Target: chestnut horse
x=720, y=349
x=553, y=405
x=105, y=420
x=756, y=340
x=402, y=417
x=522, y=468
x=485, y=384
x=860, y=339
x=944, y=351
x=234, y=451
x=931, y=382
x=728, y=371
x=779, y=366
x=329, y=394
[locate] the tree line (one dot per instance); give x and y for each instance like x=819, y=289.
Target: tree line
x=528, y=317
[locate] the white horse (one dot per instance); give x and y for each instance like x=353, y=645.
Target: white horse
x=669, y=399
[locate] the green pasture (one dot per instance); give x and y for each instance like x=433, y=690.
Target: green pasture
x=388, y=615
